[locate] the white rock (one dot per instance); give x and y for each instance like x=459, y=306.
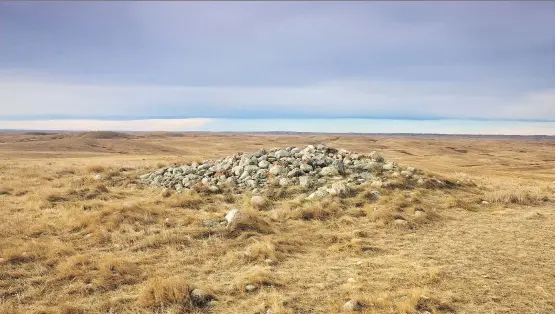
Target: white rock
x=351, y=280
x=388, y=166
x=401, y=222
x=282, y=153
x=485, y=203
x=352, y=306
x=250, y=288
x=277, y=170
x=230, y=215
x=284, y=182
x=406, y=173
x=213, y=189
x=419, y=213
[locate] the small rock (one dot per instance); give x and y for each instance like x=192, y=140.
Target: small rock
x=305, y=168
x=306, y=181
x=359, y=263
x=2, y=260
x=282, y=153
x=213, y=189
x=419, y=213
x=388, y=166
x=258, y=201
x=250, y=288
x=401, y=222
x=98, y=176
x=276, y=170
x=317, y=194
x=200, y=297
x=284, y=182
x=351, y=280
x=485, y=203
x=230, y=215
x=270, y=262
x=406, y=173
x=329, y=171
x=353, y=305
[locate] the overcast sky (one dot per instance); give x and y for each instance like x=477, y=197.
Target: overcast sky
x=295, y=60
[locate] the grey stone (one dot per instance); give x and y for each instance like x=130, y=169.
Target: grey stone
x=329, y=171
x=258, y=201
x=295, y=173
x=282, y=153
x=200, y=297
x=277, y=170
x=306, y=181
x=284, y=182
x=213, y=189
x=264, y=164
x=352, y=306
x=306, y=167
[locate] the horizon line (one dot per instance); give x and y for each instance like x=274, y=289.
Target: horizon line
x=143, y=117
x=275, y=132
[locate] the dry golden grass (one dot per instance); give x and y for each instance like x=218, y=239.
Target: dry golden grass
x=480, y=241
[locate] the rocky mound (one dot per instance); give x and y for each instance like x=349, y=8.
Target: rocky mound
x=322, y=170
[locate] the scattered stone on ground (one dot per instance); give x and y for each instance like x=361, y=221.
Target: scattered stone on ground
x=352, y=305
x=200, y=297
x=401, y=222
x=230, y=215
x=320, y=170
x=258, y=201
x=250, y=288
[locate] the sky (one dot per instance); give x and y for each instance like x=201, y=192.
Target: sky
x=406, y=66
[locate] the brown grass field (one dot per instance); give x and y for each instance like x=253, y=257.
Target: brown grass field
x=71, y=243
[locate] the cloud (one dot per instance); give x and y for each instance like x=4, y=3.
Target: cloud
x=100, y=125
x=394, y=99
x=277, y=59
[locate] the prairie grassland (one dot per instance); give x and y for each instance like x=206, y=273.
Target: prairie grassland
x=79, y=234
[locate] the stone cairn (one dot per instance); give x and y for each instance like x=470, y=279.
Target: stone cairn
x=318, y=169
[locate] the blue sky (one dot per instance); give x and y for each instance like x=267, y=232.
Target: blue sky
x=203, y=62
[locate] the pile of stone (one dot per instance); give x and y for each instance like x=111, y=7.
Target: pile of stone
x=319, y=169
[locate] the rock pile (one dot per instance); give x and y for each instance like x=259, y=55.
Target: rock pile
x=320, y=169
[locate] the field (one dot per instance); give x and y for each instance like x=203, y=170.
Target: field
x=80, y=234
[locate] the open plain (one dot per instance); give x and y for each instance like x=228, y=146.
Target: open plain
x=80, y=234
